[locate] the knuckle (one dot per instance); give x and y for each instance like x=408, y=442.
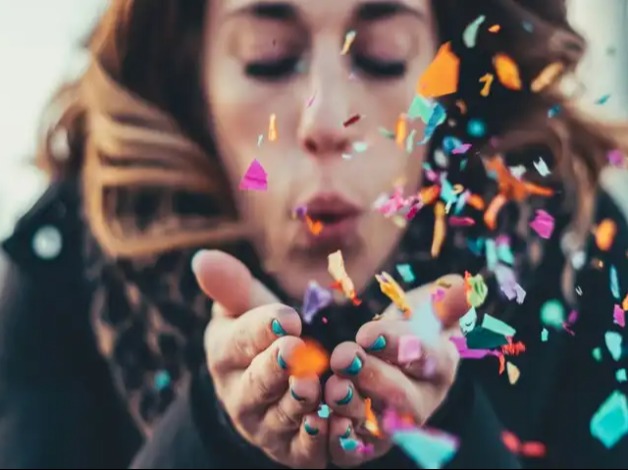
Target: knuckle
x=285, y=419
x=257, y=386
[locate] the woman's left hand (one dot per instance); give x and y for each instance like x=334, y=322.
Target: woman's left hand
x=370, y=368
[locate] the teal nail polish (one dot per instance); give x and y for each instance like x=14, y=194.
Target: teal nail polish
x=277, y=328
x=312, y=431
x=281, y=362
x=347, y=398
x=354, y=367
x=378, y=344
x=347, y=433
x=295, y=396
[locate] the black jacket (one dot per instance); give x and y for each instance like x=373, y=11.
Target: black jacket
x=59, y=408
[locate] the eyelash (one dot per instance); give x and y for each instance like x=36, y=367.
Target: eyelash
x=281, y=69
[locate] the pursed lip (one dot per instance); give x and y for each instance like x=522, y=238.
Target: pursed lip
x=331, y=206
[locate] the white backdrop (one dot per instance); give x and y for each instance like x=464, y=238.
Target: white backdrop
x=39, y=48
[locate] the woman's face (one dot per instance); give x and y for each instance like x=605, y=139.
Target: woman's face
x=285, y=58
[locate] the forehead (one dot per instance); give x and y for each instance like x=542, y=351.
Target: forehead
x=320, y=11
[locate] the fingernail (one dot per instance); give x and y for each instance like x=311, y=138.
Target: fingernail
x=311, y=430
x=277, y=328
x=196, y=259
x=354, y=367
x=281, y=362
x=347, y=398
x=378, y=344
x=295, y=396
x=347, y=433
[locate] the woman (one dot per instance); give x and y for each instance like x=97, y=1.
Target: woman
x=182, y=99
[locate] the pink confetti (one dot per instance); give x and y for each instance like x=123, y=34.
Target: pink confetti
x=543, y=224
x=619, y=316
x=465, y=353
x=311, y=100
x=255, y=178
x=409, y=349
x=438, y=295
x=616, y=158
x=455, y=221
x=461, y=149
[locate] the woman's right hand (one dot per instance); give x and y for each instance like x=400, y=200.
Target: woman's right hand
x=249, y=342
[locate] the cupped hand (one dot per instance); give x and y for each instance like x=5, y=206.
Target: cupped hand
x=371, y=368
x=249, y=342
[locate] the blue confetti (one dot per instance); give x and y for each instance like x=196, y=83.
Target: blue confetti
x=450, y=144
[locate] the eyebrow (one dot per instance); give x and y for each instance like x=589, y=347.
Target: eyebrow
x=367, y=11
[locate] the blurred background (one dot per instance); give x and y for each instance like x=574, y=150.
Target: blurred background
x=40, y=48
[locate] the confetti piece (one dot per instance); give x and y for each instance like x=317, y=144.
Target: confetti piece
x=530, y=449
x=324, y=411
x=420, y=108
x=476, y=128
x=605, y=234
x=468, y=320
x=255, y=178
x=624, y=304
x=440, y=229
x=352, y=120
x=507, y=71
x=597, y=354
x=553, y=314
x=348, y=444
x=360, y=147
x=621, y=376
x=614, y=279
x=487, y=79
x=409, y=349
x=553, y=111
x=497, y=326
x=162, y=380
x=470, y=33
x=619, y=316
x=614, y=342
x=260, y=139
x=349, y=38
x=314, y=226
x=426, y=447
x=603, y=100
x=272, y=128
x=310, y=358
x=461, y=221
x=401, y=130
x=467, y=352
x=462, y=149
x=543, y=224
x=425, y=324
x=616, y=158
x=547, y=76
x=494, y=29
x=371, y=423
x=405, y=271
x=542, y=168
x=529, y=27
x=336, y=268
x=513, y=373
x=544, y=335
x=393, y=422
x=476, y=289
x=441, y=76
x=310, y=101
x=315, y=299
x=610, y=422
x=410, y=141
x=394, y=292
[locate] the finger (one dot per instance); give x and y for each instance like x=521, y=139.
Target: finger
x=234, y=344
x=348, y=448
x=229, y=283
x=309, y=447
x=302, y=397
x=385, y=384
x=265, y=381
x=343, y=399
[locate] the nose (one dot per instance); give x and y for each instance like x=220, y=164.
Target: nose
x=322, y=130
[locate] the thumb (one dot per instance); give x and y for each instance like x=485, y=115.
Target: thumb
x=228, y=282
x=453, y=304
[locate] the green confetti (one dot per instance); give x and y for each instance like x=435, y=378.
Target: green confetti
x=597, y=354
x=478, y=290
x=360, y=146
x=621, y=376
x=610, y=422
x=553, y=314
x=420, y=108
x=544, y=335
x=614, y=344
x=497, y=326
x=386, y=133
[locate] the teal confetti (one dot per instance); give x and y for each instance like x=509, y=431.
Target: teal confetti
x=505, y=254
x=603, y=100
x=386, y=133
x=420, y=108
x=529, y=27
x=428, y=450
x=491, y=254
x=614, y=282
x=614, y=344
x=447, y=192
x=621, y=376
x=597, y=354
x=450, y=144
x=476, y=246
x=553, y=314
x=476, y=128
x=162, y=380
x=610, y=422
x=554, y=110
x=470, y=33
x=497, y=326
x=348, y=444
x=405, y=271
x=360, y=147
x=324, y=411
x=463, y=164
x=544, y=335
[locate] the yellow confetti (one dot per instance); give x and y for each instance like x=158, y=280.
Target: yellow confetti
x=440, y=227
x=401, y=130
x=624, y=304
x=394, y=292
x=547, y=76
x=513, y=373
x=349, y=38
x=272, y=128
x=476, y=290
x=507, y=71
x=342, y=281
x=488, y=81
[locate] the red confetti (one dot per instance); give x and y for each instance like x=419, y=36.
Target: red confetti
x=352, y=120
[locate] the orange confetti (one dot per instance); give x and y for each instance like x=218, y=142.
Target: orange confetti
x=547, y=76
x=310, y=358
x=272, y=128
x=401, y=130
x=490, y=216
x=476, y=202
x=440, y=228
x=487, y=79
x=429, y=195
x=441, y=76
x=527, y=449
x=394, y=292
x=342, y=281
x=314, y=226
x=507, y=71
x=371, y=420
x=495, y=28
x=605, y=234
x=624, y=304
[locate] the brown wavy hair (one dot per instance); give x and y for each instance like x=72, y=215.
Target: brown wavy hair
x=137, y=134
